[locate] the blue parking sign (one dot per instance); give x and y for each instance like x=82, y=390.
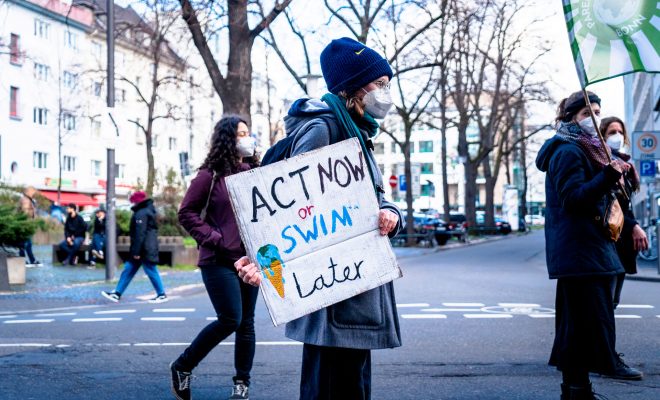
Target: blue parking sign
x=647, y=168
x=402, y=183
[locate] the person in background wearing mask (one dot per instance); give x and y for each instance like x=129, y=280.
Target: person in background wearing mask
x=579, y=253
x=336, y=359
x=74, y=234
x=143, y=251
x=206, y=213
x=633, y=238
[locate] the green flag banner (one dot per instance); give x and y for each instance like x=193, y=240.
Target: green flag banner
x=610, y=38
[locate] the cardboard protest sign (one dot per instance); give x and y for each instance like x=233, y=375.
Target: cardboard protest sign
x=311, y=223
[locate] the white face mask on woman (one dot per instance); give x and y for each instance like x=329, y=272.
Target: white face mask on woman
x=588, y=127
x=246, y=146
x=615, y=141
x=378, y=102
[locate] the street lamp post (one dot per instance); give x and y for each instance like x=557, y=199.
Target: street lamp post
x=111, y=220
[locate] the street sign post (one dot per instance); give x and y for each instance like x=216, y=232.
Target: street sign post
x=645, y=145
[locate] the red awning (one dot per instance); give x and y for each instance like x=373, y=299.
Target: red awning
x=79, y=199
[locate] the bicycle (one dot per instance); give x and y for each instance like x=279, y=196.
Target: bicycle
x=651, y=253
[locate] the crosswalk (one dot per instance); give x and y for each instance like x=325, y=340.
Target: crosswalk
x=407, y=311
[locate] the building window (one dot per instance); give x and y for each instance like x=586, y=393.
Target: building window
x=96, y=168
x=412, y=147
x=41, y=72
x=426, y=190
x=154, y=141
x=172, y=143
x=426, y=146
x=70, y=80
x=70, y=40
x=121, y=170
x=381, y=168
x=379, y=148
x=15, y=50
x=69, y=163
x=39, y=160
x=98, y=88
x=96, y=127
x=41, y=28
x=13, y=102
x=427, y=168
x=394, y=147
x=120, y=95
x=40, y=115
x=97, y=49
x=68, y=121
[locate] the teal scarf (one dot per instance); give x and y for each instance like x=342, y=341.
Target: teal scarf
x=350, y=126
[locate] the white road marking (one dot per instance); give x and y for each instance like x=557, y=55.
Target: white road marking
x=526, y=305
x=113, y=319
x=423, y=316
x=488, y=316
x=627, y=316
x=29, y=321
x=463, y=304
x=541, y=315
x=412, y=305
x=115, y=312
x=62, y=314
x=450, y=309
x=144, y=344
x=163, y=319
x=173, y=310
x=634, y=306
x=7, y=316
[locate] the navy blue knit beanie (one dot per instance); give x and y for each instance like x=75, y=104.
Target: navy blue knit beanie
x=349, y=65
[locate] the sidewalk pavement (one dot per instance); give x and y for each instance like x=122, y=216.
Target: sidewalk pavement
x=50, y=287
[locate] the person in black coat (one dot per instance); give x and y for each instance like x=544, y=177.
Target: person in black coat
x=74, y=234
x=633, y=238
x=98, y=237
x=579, y=251
x=143, y=251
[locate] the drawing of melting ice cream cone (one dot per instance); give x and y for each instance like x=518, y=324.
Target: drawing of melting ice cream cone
x=271, y=265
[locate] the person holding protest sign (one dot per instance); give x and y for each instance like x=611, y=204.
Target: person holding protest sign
x=580, y=253
x=633, y=238
x=206, y=213
x=336, y=360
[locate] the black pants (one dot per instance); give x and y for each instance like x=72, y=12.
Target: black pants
x=234, y=303
x=335, y=373
x=616, y=290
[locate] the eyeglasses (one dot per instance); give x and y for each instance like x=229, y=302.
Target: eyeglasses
x=382, y=84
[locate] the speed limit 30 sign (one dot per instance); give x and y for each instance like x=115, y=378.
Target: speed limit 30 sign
x=645, y=145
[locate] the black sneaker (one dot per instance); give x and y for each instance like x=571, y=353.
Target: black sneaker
x=161, y=298
x=112, y=296
x=240, y=391
x=623, y=371
x=180, y=383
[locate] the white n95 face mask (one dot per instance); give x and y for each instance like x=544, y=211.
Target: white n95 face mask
x=615, y=141
x=378, y=102
x=246, y=146
x=588, y=127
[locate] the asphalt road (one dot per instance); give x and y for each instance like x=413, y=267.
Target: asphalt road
x=477, y=323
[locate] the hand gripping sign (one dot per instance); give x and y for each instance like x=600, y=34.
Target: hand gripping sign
x=311, y=223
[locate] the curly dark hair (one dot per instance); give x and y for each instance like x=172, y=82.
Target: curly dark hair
x=223, y=156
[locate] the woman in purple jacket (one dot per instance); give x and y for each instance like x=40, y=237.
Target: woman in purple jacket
x=207, y=215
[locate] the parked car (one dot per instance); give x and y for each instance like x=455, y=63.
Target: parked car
x=458, y=225
x=424, y=223
x=533, y=219
x=501, y=225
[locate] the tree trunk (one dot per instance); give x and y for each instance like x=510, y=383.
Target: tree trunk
x=490, y=192
x=237, y=95
x=410, y=225
x=471, y=189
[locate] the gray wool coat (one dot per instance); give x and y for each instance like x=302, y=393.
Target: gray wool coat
x=368, y=320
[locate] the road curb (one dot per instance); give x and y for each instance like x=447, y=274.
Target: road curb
x=643, y=278
x=438, y=249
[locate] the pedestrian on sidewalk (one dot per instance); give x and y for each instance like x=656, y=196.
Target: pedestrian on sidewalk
x=336, y=356
x=633, y=238
x=143, y=251
x=75, y=229
x=206, y=213
x=98, y=238
x=580, y=254
x=29, y=207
